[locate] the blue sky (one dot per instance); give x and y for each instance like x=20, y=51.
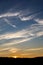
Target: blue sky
x=21, y=27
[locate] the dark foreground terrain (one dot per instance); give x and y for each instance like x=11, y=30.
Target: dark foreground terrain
x=37, y=60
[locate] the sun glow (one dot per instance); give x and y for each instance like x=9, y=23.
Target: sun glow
x=14, y=56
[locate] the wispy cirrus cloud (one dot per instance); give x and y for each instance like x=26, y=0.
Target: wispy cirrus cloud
x=21, y=26
x=13, y=50
x=24, y=18
x=3, y=49
x=27, y=15
x=27, y=34
x=40, y=21
x=22, y=15
x=8, y=22
x=9, y=50
x=15, y=42
x=31, y=32
x=9, y=14
x=34, y=49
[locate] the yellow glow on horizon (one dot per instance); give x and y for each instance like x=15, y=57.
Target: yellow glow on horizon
x=14, y=56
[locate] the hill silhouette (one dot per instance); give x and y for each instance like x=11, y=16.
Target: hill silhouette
x=6, y=60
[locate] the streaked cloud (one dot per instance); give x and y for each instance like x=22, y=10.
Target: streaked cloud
x=9, y=49
x=40, y=33
x=8, y=22
x=24, y=18
x=21, y=28
x=27, y=34
x=9, y=14
x=34, y=49
x=13, y=50
x=32, y=31
x=3, y=49
x=13, y=35
x=40, y=21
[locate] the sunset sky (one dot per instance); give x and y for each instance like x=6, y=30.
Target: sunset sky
x=21, y=28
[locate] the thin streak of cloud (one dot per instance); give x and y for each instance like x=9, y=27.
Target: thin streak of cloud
x=3, y=49
x=34, y=49
x=7, y=21
x=9, y=15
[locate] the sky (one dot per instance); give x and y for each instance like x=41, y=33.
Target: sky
x=21, y=28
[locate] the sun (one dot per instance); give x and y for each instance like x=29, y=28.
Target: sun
x=14, y=56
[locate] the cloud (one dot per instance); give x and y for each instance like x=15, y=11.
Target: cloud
x=14, y=50
x=3, y=49
x=39, y=21
x=15, y=42
x=12, y=35
x=8, y=22
x=27, y=17
x=34, y=49
x=9, y=14
x=23, y=35
x=33, y=30
x=9, y=49
x=22, y=15
x=39, y=33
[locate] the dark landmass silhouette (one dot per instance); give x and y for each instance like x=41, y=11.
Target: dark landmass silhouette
x=36, y=60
